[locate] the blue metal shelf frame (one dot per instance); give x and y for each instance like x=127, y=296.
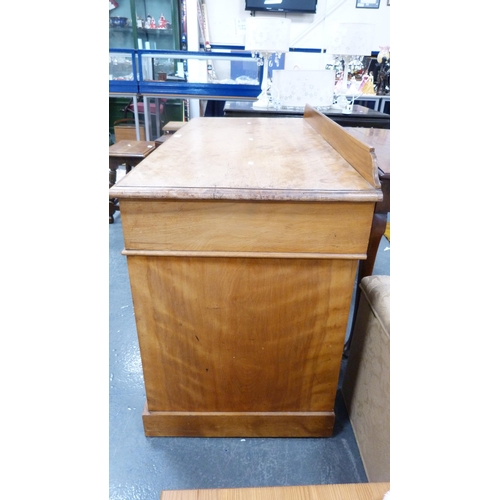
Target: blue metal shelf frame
x=182, y=89
x=125, y=86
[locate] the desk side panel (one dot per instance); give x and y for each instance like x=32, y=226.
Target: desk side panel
x=224, y=226
x=241, y=335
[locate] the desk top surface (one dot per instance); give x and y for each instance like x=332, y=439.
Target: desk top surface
x=357, y=111
x=248, y=159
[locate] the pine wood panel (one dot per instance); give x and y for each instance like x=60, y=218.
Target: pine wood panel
x=361, y=491
x=336, y=228
x=241, y=335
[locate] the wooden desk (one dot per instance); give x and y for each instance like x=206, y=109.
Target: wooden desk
x=242, y=265
x=361, y=491
x=130, y=153
x=361, y=116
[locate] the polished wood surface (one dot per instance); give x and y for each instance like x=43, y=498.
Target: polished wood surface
x=250, y=159
x=357, y=153
x=228, y=350
x=246, y=226
x=361, y=116
x=360, y=491
x=242, y=256
x=237, y=424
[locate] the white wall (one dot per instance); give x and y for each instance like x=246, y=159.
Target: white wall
x=226, y=20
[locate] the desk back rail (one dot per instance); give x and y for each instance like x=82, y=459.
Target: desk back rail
x=361, y=156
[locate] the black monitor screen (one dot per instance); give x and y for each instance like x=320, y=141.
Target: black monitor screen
x=308, y=6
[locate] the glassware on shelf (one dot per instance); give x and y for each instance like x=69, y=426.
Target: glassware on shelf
x=149, y=24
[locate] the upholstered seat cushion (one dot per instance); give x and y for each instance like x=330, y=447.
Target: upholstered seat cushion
x=377, y=291
x=366, y=382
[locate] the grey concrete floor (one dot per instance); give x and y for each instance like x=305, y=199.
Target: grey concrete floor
x=141, y=467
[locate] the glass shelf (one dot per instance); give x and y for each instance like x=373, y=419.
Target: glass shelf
x=123, y=71
x=142, y=31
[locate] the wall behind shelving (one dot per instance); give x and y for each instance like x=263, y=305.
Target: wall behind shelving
x=226, y=20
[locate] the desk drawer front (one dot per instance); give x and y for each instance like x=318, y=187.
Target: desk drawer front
x=223, y=226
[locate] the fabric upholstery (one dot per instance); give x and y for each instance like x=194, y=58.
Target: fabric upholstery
x=366, y=381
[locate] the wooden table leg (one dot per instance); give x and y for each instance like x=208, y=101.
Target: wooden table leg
x=365, y=267
x=377, y=231
x=113, y=202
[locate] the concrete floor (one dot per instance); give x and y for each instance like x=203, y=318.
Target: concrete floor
x=140, y=467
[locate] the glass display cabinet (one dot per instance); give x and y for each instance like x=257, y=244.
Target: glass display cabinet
x=158, y=25
x=204, y=75
x=138, y=24
x=123, y=86
x=144, y=24
x=222, y=75
x=123, y=71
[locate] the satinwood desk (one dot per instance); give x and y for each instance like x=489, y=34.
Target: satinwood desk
x=243, y=238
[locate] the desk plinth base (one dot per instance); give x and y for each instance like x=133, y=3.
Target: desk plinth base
x=237, y=424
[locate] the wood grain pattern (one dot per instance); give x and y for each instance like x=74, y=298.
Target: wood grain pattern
x=216, y=226
x=360, y=155
x=238, y=424
x=211, y=342
x=360, y=491
x=250, y=159
x=251, y=255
